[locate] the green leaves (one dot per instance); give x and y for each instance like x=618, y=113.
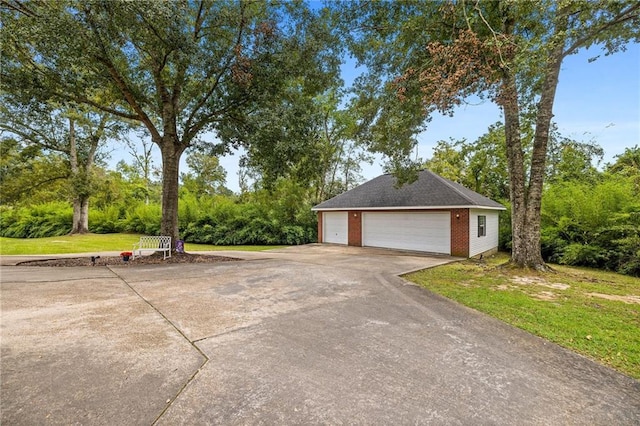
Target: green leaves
x=593, y=224
x=427, y=56
x=180, y=69
x=480, y=165
x=206, y=177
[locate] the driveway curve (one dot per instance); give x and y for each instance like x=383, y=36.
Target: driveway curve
x=304, y=335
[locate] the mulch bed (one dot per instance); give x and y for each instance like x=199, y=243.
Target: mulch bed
x=154, y=259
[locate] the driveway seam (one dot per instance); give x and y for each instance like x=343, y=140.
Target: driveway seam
x=193, y=376
x=55, y=281
x=224, y=333
x=257, y=325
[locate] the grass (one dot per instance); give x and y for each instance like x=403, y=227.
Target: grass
x=88, y=243
x=555, y=306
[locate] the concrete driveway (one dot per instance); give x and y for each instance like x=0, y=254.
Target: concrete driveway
x=303, y=335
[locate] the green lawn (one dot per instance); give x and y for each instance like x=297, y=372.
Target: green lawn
x=556, y=306
x=89, y=243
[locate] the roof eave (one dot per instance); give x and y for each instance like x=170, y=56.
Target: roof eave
x=466, y=206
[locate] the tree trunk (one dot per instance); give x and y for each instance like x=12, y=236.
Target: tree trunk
x=171, y=152
x=526, y=219
x=515, y=165
x=539, y=156
x=525, y=203
x=80, y=215
x=80, y=201
x=526, y=198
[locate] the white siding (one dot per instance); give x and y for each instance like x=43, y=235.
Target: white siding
x=334, y=227
x=421, y=231
x=477, y=244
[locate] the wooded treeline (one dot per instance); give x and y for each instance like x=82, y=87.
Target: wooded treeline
x=202, y=78
x=590, y=216
x=37, y=188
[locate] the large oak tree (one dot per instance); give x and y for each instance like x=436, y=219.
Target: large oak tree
x=424, y=56
x=185, y=70
x=75, y=133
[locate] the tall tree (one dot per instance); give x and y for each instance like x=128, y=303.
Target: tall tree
x=28, y=175
x=142, y=162
x=448, y=161
x=206, y=177
x=572, y=160
x=341, y=153
x=433, y=55
x=628, y=164
x=305, y=133
x=76, y=133
x=180, y=68
x=318, y=148
x=480, y=165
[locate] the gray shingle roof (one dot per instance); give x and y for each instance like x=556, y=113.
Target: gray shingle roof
x=428, y=191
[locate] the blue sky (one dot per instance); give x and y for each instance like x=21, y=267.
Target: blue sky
x=596, y=102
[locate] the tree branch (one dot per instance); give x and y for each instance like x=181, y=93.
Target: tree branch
x=35, y=137
x=221, y=72
x=120, y=81
x=43, y=182
x=19, y=7
x=87, y=101
x=622, y=17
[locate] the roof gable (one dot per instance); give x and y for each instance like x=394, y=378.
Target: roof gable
x=428, y=191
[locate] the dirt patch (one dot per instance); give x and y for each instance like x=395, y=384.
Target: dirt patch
x=546, y=296
x=117, y=260
x=617, y=298
x=540, y=282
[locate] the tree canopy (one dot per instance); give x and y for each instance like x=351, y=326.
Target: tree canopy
x=76, y=133
x=431, y=56
x=180, y=69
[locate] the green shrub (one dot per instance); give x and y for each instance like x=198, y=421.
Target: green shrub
x=107, y=220
x=42, y=220
x=255, y=221
x=261, y=218
x=293, y=235
x=595, y=225
x=552, y=244
x=584, y=255
x=143, y=219
x=504, y=227
x=627, y=257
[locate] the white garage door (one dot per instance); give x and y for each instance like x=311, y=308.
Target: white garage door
x=408, y=230
x=334, y=227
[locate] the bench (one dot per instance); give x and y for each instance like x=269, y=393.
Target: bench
x=156, y=243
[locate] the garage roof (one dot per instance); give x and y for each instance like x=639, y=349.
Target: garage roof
x=429, y=191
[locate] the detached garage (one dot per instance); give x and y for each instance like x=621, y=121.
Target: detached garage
x=432, y=214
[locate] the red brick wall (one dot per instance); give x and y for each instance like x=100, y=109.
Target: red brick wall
x=355, y=228
x=460, y=232
x=319, y=227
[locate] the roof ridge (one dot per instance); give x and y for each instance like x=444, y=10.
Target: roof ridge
x=449, y=184
x=428, y=191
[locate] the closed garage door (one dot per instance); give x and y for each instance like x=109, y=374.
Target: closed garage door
x=421, y=231
x=334, y=227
